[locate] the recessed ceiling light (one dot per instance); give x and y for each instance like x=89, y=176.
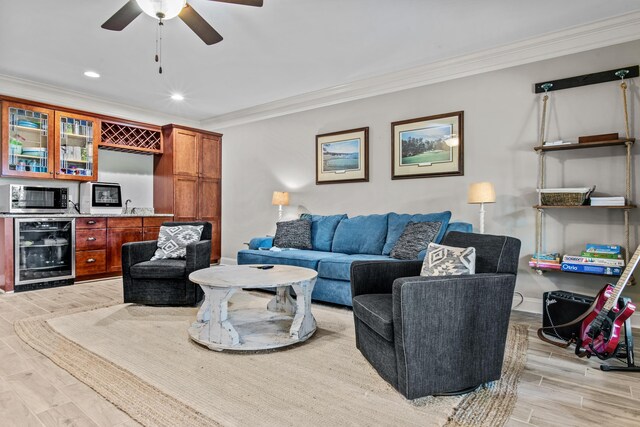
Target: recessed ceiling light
x=91, y=74
x=177, y=97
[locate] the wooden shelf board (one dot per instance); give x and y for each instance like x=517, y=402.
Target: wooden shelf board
x=584, y=207
x=546, y=270
x=582, y=145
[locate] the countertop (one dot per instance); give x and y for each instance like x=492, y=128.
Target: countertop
x=77, y=215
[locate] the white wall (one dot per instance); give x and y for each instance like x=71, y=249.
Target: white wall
x=134, y=172
x=501, y=115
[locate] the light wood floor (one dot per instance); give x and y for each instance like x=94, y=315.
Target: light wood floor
x=556, y=388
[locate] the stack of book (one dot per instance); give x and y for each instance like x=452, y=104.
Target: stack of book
x=608, y=201
x=596, y=259
x=549, y=261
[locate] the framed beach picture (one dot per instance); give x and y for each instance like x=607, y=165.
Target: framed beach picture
x=428, y=146
x=342, y=156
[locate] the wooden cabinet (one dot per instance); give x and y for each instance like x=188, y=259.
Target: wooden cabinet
x=41, y=142
x=27, y=140
x=116, y=237
x=185, y=159
x=99, y=242
x=210, y=153
x=76, y=146
x=90, y=263
x=187, y=178
x=186, y=198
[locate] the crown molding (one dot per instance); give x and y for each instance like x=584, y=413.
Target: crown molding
x=602, y=33
x=49, y=94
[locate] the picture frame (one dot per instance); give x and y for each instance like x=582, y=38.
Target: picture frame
x=425, y=147
x=342, y=156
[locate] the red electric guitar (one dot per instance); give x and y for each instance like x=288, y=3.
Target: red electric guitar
x=600, y=329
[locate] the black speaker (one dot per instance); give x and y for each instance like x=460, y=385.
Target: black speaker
x=559, y=307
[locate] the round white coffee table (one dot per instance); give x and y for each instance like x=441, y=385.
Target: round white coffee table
x=260, y=329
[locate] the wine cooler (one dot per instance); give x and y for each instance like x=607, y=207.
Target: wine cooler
x=44, y=253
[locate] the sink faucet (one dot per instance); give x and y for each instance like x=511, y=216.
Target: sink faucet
x=126, y=206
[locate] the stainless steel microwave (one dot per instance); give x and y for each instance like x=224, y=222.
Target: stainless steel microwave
x=16, y=198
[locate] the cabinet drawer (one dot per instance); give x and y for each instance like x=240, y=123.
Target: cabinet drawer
x=97, y=222
x=89, y=239
x=156, y=221
x=91, y=262
x=130, y=222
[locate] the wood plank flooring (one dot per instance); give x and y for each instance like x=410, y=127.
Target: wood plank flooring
x=556, y=388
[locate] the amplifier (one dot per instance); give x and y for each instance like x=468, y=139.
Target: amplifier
x=559, y=307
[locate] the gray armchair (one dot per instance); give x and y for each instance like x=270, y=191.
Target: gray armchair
x=164, y=281
x=436, y=335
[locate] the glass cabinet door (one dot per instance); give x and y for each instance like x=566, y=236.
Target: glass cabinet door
x=76, y=147
x=27, y=142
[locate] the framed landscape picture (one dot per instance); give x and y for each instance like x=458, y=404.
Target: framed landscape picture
x=342, y=156
x=428, y=146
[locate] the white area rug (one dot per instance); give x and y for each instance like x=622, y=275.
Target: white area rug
x=142, y=360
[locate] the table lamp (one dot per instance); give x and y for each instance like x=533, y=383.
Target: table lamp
x=481, y=192
x=280, y=198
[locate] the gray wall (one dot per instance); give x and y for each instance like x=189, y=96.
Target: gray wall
x=501, y=127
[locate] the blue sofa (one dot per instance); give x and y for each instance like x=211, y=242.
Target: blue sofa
x=338, y=241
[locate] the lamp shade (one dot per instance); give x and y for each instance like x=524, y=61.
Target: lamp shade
x=481, y=192
x=280, y=198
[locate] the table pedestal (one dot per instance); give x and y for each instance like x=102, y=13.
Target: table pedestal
x=285, y=322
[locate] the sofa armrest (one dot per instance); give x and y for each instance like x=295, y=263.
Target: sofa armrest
x=198, y=256
x=135, y=252
x=376, y=277
x=261, y=242
x=455, y=324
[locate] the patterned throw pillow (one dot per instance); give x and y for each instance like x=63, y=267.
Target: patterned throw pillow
x=414, y=239
x=448, y=261
x=173, y=241
x=295, y=234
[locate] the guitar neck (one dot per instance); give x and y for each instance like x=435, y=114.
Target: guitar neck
x=612, y=301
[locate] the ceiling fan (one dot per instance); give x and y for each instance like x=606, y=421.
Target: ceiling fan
x=168, y=9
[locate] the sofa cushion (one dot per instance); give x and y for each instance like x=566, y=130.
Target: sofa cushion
x=414, y=239
x=363, y=234
x=376, y=310
x=339, y=268
x=299, y=258
x=159, y=269
x=397, y=223
x=293, y=234
x=323, y=228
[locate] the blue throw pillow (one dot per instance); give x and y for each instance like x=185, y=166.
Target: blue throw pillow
x=323, y=227
x=397, y=223
x=361, y=235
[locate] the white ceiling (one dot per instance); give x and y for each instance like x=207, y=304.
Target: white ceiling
x=285, y=48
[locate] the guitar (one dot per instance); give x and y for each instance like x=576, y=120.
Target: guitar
x=600, y=329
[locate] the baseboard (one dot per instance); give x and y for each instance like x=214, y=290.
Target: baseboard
x=228, y=261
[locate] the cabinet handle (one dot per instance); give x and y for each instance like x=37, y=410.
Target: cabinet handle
x=91, y=239
x=91, y=222
x=90, y=260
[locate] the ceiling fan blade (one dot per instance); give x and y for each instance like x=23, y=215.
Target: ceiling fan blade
x=256, y=3
x=123, y=17
x=199, y=26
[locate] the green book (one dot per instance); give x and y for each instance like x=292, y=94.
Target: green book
x=599, y=255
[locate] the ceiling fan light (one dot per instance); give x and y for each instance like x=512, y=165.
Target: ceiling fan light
x=165, y=9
